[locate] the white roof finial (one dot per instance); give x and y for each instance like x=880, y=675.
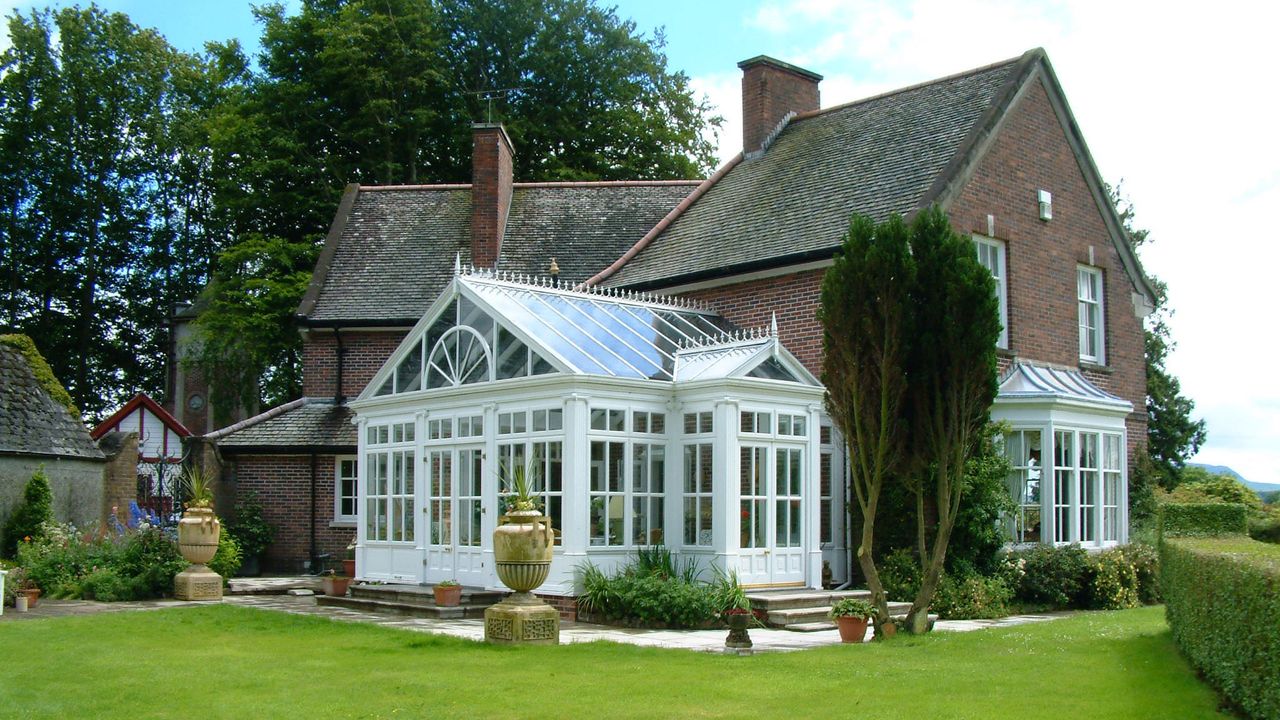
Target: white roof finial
x=773, y=325
x=457, y=264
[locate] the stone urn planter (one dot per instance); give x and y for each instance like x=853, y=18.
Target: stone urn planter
x=198, y=532
x=739, y=637
x=522, y=547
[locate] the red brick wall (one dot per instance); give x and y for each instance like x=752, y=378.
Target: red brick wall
x=1030, y=153
x=283, y=484
x=768, y=94
x=793, y=297
x=366, y=351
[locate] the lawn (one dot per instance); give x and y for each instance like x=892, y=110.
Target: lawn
x=257, y=663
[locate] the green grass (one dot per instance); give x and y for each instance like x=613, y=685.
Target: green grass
x=248, y=663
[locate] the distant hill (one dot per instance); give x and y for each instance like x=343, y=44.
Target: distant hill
x=1260, y=488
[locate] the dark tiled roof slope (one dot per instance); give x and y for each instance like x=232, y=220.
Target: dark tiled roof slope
x=584, y=227
x=395, y=254
x=397, y=247
x=875, y=156
x=308, y=422
x=32, y=422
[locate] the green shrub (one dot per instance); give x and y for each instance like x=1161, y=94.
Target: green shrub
x=643, y=595
x=250, y=530
x=1054, y=575
x=226, y=561
x=900, y=575
x=1111, y=582
x=150, y=559
x=107, y=585
x=1146, y=566
x=31, y=515
x=1202, y=519
x=972, y=597
x=1222, y=600
x=12, y=581
x=1265, y=527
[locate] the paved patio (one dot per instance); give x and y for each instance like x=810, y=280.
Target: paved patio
x=250, y=594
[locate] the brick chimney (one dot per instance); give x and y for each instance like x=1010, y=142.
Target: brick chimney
x=490, y=191
x=770, y=90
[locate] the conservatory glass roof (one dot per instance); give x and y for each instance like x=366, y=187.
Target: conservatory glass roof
x=1028, y=380
x=490, y=325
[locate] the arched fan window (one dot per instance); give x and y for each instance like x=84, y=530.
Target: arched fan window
x=460, y=357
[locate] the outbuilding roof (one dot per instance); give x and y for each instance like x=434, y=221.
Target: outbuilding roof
x=307, y=423
x=32, y=422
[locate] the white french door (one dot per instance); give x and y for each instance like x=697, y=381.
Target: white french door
x=453, y=509
x=771, y=515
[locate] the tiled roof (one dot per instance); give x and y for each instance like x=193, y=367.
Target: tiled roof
x=396, y=248
x=32, y=422
x=315, y=423
x=876, y=156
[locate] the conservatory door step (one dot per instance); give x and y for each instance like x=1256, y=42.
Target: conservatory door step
x=412, y=600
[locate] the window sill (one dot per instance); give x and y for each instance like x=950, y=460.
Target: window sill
x=1095, y=367
x=351, y=524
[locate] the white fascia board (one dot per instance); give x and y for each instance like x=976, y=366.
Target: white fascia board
x=746, y=277
x=1059, y=413
x=750, y=389
x=414, y=336
x=516, y=390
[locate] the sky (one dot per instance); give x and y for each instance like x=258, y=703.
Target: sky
x=1179, y=104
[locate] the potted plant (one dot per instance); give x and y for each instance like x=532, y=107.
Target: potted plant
x=334, y=584
x=349, y=558
x=448, y=593
x=30, y=591
x=199, y=528
x=523, y=541
x=851, y=616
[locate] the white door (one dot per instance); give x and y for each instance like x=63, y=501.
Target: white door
x=771, y=515
x=454, y=516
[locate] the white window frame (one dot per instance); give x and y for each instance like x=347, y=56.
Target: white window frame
x=354, y=479
x=1090, y=278
x=995, y=263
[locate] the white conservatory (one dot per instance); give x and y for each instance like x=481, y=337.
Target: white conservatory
x=1067, y=449
x=650, y=422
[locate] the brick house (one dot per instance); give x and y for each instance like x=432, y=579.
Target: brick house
x=995, y=147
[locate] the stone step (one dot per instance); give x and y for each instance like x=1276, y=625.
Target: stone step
x=787, y=617
x=414, y=609
x=421, y=595
x=771, y=600
x=899, y=616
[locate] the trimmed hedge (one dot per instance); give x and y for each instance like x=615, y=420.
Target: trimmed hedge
x=1203, y=520
x=1222, y=600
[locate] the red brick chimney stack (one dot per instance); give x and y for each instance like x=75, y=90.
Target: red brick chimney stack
x=491, y=179
x=770, y=90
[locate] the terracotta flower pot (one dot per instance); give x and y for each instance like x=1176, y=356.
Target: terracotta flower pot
x=335, y=585
x=448, y=595
x=33, y=594
x=198, y=535
x=349, y=567
x=522, y=547
x=852, y=629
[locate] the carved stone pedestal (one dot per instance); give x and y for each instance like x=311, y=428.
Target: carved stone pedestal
x=522, y=619
x=197, y=582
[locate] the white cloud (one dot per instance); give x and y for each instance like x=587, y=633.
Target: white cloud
x=1174, y=100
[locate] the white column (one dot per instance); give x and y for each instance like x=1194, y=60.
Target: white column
x=489, y=488
x=725, y=495
x=813, y=501
x=577, y=466
x=420, y=471
x=1048, y=484
x=673, y=482
x=362, y=492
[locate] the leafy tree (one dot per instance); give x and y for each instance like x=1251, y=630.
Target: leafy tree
x=95, y=209
x=952, y=372
x=866, y=315
x=31, y=514
x=1200, y=485
x=1173, y=435
x=385, y=91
